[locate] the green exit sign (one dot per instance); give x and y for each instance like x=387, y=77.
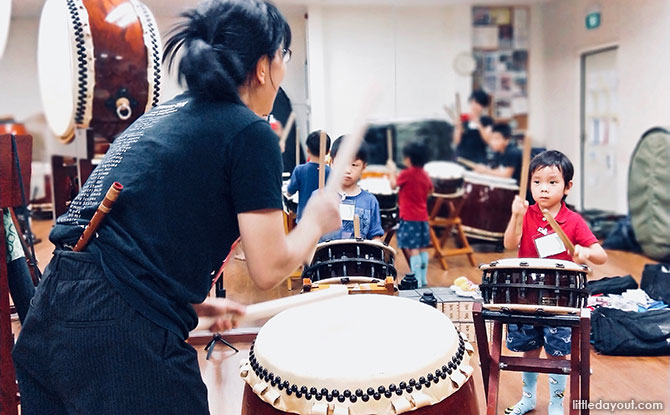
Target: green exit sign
x=592, y=20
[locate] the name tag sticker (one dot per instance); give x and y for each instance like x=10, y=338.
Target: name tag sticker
x=347, y=211
x=549, y=245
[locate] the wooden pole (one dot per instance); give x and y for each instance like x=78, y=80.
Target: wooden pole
x=287, y=130
x=523, y=179
x=357, y=227
x=103, y=209
x=389, y=144
x=322, y=159
x=559, y=231
x=467, y=163
x=297, y=146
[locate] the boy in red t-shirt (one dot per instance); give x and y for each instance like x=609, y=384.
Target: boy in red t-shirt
x=415, y=186
x=550, y=181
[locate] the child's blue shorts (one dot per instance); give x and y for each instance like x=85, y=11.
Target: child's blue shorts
x=413, y=234
x=523, y=338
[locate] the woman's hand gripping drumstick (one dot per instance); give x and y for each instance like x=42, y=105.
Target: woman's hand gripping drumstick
x=218, y=314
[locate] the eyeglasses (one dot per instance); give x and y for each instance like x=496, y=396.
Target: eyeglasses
x=286, y=55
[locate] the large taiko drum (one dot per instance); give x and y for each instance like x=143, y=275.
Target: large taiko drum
x=351, y=258
x=380, y=187
x=535, y=281
x=99, y=65
x=487, y=207
x=328, y=358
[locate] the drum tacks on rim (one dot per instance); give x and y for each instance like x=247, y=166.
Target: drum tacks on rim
x=99, y=65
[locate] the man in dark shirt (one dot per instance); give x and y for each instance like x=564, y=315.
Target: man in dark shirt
x=506, y=160
x=471, y=135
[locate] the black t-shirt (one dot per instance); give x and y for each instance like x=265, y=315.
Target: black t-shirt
x=511, y=157
x=188, y=167
x=472, y=146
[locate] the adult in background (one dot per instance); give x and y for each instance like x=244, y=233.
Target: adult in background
x=471, y=135
x=107, y=328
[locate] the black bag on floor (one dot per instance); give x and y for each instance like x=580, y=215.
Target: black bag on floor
x=656, y=282
x=622, y=237
x=611, y=285
x=628, y=333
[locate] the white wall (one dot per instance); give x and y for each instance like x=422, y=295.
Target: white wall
x=407, y=51
x=641, y=29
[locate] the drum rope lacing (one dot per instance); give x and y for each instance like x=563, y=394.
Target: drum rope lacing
x=82, y=76
x=155, y=55
x=365, y=395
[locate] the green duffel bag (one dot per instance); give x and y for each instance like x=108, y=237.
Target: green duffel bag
x=649, y=193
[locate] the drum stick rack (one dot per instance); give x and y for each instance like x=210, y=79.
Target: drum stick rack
x=454, y=204
x=10, y=196
x=493, y=362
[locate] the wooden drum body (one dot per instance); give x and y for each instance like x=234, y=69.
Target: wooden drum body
x=487, y=207
x=387, y=198
x=535, y=281
x=351, y=258
x=99, y=65
x=343, y=363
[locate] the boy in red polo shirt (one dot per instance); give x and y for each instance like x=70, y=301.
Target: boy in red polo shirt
x=415, y=186
x=550, y=181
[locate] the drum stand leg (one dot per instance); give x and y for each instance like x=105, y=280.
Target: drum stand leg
x=578, y=367
x=455, y=205
x=212, y=343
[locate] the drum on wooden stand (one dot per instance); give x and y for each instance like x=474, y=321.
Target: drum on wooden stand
x=380, y=187
x=488, y=205
x=535, y=281
x=351, y=258
x=99, y=65
x=327, y=358
x=447, y=177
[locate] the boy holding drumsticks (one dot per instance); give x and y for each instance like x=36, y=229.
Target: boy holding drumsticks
x=550, y=179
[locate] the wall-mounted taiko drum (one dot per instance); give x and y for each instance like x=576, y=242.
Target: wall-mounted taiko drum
x=99, y=65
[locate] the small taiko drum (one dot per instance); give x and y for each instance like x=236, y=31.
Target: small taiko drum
x=447, y=177
x=380, y=187
x=351, y=258
x=487, y=207
x=535, y=281
x=99, y=65
x=326, y=358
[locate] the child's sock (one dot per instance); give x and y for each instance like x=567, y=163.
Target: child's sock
x=415, y=265
x=556, y=392
x=528, y=400
x=424, y=268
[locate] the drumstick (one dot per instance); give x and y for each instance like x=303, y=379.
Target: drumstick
x=458, y=107
x=297, y=146
x=287, y=130
x=270, y=308
x=389, y=144
x=559, y=231
x=103, y=209
x=467, y=163
x=451, y=114
x=357, y=227
x=322, y=159
x=523, y=179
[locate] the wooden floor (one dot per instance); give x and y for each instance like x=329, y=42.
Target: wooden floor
x=643, y=379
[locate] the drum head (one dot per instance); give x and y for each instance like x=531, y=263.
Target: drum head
x=56, y=68
x=377, y=186
x=5, y=17
x=335, y=345
x=534, y=263
x=444, y=170
x=490, y=180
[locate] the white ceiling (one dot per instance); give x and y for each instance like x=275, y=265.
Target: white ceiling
x=32, y=8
